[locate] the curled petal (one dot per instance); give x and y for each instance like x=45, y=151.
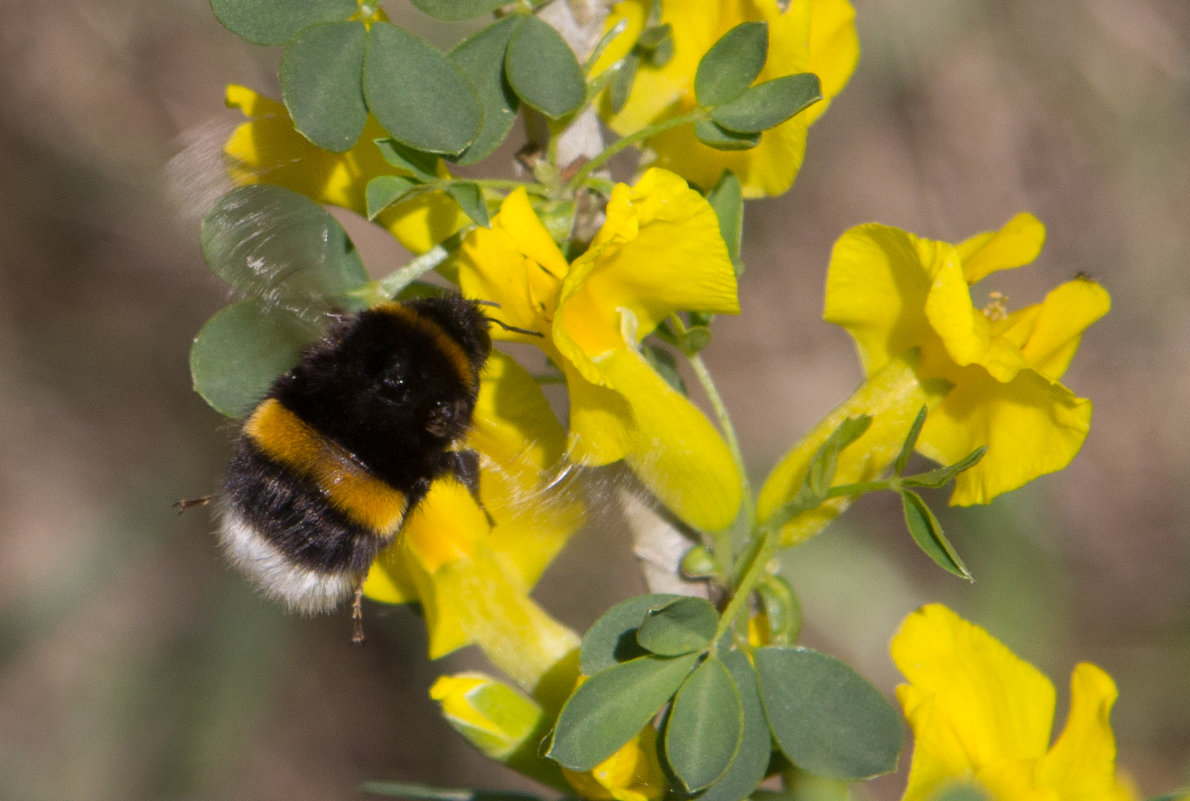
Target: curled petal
x=1082, y=761
x=1016, y=244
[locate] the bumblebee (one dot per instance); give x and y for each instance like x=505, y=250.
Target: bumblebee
x=344, y=446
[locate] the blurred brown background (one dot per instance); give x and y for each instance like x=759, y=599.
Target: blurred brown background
x=134, y=666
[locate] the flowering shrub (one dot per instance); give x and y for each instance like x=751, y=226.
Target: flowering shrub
x=616, y=281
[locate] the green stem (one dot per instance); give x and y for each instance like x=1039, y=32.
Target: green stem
x=627, y=141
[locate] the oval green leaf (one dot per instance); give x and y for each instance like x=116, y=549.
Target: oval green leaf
x=417, y=94
x=423, y=166
x=825, y=717
x=680, y=627
x=781, y=608
x=727, y=199
x=283, y=248
x=714, y=135
x=927, y=533
x=385, y=190
x=470, y=199
x=756, y=744
x=611, y=707
x=241, y=350
x=480, y=58
x=275, y=22
x=543, y=71
x=321, y=74
x=457, y=9
x=769, y=104
x=705, y=726
x=732, y=64
x=612, y=638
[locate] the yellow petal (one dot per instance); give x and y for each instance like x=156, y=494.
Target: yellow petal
x=962, y=329
x=1082, y=763
x=659, y=251
x=522, y=471
x=602, y=428
x=1017, y=243
x=1030, y=425
x=633, y=773
x=971, y=702
x=676, y=453
x=877, y=286
x=1067, y=311
x=515, y=264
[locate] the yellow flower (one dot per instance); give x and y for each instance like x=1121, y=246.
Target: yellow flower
x=989, y=378
x=472, y=569
x=982, y=717
x=895, y=292
x=267, y=149
x=633, y=773
x=809, y=36
x=659, y=251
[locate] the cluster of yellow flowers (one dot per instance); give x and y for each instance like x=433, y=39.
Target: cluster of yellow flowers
x=988, y=379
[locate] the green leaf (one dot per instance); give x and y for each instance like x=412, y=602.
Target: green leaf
x=621, y=86
x=825, y=717
x=611, y=707
x=457, y=9
x=543, y=71
x=727, y=199
x=656, y=45
x=241, y=350
x=424, y=166
x=927, y=533
x=714, y=135
x=612, y=638
x=320, y=84
x=282, y=248
x=752, y=758
x=680, y=627
x=944, y=475
x=479, y=59
x=910, y=442
x=470, y=199
x=705, y=726
x=385, y=190
x=769, y=104
x=417, y=94
x=780, y=605
x=826, y=459
x=732, y=64
x=275, y=22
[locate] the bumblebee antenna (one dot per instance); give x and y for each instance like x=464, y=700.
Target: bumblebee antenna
x=513, y=328
x=505, y=325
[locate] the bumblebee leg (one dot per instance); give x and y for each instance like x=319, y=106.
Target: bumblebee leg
x=464, y=466
x=357, y=614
